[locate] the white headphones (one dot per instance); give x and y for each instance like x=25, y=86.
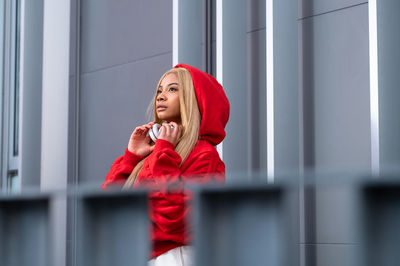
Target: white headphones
x=155, y=131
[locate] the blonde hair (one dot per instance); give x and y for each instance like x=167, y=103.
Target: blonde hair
x=190, y=119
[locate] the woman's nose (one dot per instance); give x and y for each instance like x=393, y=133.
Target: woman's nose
x=161, y=97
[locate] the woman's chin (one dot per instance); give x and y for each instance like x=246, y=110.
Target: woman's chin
x=167, y=118
x=163, y=117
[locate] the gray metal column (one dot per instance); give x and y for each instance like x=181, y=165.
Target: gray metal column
x=113, y=229
x=285, y=86
x=232, y=73
x=24, y=231
x=242, y=225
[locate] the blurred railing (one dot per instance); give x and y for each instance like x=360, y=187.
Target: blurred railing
x=233, y=224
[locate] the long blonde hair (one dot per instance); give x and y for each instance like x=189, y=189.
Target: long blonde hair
x=190, y=119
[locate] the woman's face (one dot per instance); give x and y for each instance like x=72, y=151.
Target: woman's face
x=167, y=100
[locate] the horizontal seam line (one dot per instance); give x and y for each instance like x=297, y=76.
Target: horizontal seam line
x=331, y=11
x=260, y=29
x=315, y=244
x=125, y=63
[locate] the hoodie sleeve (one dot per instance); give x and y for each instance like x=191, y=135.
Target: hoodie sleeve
x=164, y=166
x=121, y=169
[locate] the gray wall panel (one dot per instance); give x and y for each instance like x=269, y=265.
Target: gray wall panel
x=314, y=7
x=334, y=65
x=389, y=79
x=286, y=87
x=113, y=102
x=336, y=90
x=255, y=15
x=234, y=82
x=192, y=17
x=31, y=95
x=116, y=32
x=74, y=36
x=257, y=90
x=336, y=214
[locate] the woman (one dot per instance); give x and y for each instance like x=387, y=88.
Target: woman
x=193, y=110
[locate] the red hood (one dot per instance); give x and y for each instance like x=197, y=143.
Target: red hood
x=213, y=105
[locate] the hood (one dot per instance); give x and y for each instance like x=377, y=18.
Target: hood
x=213, y=105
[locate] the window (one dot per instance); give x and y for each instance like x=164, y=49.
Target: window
x=10, y=40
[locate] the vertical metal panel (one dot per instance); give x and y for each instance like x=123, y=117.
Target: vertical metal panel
x=387, y=65
x=191, y=26
x=286, y=87
x=24, y=231
x=256, y=86
x=335, y=89
x=240, y=226
x=3, y=167
x=113, y=229
x=231, y=27
x=31, y=92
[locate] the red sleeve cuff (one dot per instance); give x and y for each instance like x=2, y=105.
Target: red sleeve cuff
x=131, y=158
x=162, y=144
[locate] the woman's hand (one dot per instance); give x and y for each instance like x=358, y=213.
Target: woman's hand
x=171, y=134
x=139, y=143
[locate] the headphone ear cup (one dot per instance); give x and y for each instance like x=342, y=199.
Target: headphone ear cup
x=151, y=134
x=154, y=132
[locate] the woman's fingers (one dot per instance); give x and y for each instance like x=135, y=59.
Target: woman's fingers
x=175, y=130
x=167, y=129
x=170, y=132
x=142, y=130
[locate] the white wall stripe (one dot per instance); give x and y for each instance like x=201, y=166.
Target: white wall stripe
x=270, y=89
x=219, y=55
x=55, y=110
x=175, y=32
x=374, y=91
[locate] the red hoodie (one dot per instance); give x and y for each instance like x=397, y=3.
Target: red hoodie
x=168, y=211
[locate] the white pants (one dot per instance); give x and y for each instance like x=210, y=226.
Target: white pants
x=180, y=256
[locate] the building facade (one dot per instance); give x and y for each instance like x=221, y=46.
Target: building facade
x=312, y=86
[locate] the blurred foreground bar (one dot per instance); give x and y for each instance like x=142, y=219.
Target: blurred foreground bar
x=241, y=225
x=381, y=224
x=113, y=229
x=24, y=230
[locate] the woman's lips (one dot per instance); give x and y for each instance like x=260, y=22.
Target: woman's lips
x=161, y=108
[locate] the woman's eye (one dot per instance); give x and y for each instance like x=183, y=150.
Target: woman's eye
x=173, y=89
x=158, y=91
